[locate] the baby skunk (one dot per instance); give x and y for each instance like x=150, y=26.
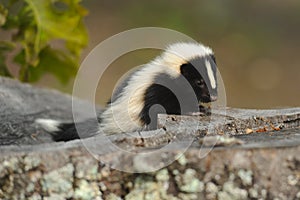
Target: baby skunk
x=176, y=82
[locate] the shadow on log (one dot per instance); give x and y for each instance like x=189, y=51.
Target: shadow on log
x=234, y=154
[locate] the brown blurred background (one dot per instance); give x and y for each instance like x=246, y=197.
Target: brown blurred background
x=257, y=43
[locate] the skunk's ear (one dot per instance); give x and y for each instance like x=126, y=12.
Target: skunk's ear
x=184, y=69
x=213, y=58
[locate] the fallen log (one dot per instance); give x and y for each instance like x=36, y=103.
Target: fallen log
x=232, y=154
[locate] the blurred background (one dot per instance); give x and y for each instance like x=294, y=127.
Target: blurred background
x=257, y=44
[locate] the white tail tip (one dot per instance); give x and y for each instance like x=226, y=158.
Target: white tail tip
x=49, y=125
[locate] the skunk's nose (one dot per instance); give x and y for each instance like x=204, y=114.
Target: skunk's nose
x=208, y=98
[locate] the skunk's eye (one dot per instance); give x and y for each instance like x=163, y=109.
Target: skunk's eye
x=199, y=83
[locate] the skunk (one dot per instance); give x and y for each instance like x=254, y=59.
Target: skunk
x=176, y=82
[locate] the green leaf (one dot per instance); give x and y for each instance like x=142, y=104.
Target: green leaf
x=55, y=62
x=3, y=14
x=3, y=69
x=53, y=23
x=6, y=46
x=36, y=24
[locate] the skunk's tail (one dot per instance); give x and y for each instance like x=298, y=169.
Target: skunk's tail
x=69, y=131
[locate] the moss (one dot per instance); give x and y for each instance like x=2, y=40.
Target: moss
x=245, y=176
x=162, y=175
x=35, y=196
x=211, y=190
x=86, y=190
x=112, y=196
x=182, y=159
x=231, y=192
x=86, y=168
x=31, y=162
x=146, y=187
x=59, y=182
x=188, y=182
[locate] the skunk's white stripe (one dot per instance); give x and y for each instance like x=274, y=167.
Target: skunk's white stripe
x=210, y=74
x=181, y=53
x=188, y=51
x=48, y=124
x=123, y=114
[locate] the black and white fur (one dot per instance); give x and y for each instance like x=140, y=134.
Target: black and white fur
x=175, y=82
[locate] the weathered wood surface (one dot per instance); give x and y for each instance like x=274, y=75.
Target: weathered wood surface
x=184, y=129
x=21, y=104
x=263, y=164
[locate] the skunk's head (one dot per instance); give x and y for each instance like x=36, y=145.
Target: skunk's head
x=175, y=82
x=197, y=64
